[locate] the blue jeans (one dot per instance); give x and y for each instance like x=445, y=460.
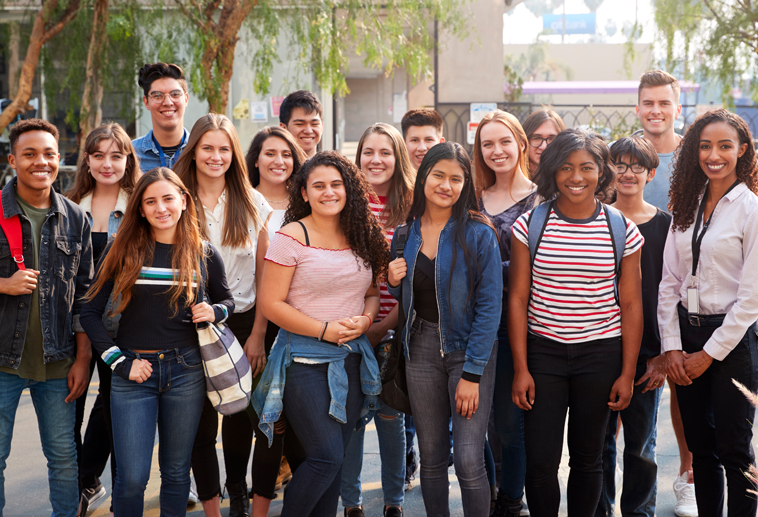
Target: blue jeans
x=640, y=420
x=432, y=382
x=390, y=430
x=56, y=421
x=172, y=397
x=509, y=422
x=315, y=486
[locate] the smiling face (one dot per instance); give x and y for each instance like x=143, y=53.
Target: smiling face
x=325, y=191
x=213, y=154
x=658, y=108
x=719, y=151
x=35, y=159
x=629, y=183
x=378, y=162
x=306, y=128
x=275, y=162
x=167, y=114
x=107, y=164
x=162, y=205
x=577, y=180
x=444, y=183
x=418, y=140
x=500, y=149
x=547, y=130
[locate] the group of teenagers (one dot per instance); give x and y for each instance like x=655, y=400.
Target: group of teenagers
x=535, y=281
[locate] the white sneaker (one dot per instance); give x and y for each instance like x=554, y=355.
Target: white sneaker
x=686, y=505
x=192, y=499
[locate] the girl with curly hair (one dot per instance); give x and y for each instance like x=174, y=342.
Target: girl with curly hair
x=383, y=159
x=452, y=290
x=152, y=271
x=574, y=321
x=320, y=286
x=232, y=216
x=708, y=305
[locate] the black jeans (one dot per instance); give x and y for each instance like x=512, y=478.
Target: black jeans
x=578, y=377
x=718, y=423
x=236, y=432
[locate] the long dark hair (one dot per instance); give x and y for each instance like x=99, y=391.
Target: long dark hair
x=688, y=179
x=362, y=230
x=556, y=154
x=465, y=209
x=256, y=146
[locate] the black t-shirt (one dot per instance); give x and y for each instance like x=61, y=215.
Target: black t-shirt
x=651, y=260
x=424, y=290
x=99, y=243
x=170, y=150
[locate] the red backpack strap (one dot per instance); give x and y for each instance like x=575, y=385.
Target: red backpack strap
x=12, y=229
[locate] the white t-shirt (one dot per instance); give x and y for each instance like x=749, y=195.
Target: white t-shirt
x=239, y=262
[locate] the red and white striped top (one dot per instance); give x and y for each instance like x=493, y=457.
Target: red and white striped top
x=327, y=284
x=386, y=301
x=573, y=293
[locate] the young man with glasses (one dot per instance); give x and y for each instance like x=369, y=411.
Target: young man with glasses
x=635, y=162
x=166, y=99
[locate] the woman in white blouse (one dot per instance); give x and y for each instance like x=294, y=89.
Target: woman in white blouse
x=708, y=305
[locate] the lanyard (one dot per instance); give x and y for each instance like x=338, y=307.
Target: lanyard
x=160, y=149
x=698, y=240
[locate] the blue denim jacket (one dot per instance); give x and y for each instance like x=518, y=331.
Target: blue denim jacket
x=469, y=325
x=114, y=221
x=267, y=398
x=149, y=155
x=65, y=265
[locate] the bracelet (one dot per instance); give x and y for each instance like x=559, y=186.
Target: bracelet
x=323, y=329
x=370, y=321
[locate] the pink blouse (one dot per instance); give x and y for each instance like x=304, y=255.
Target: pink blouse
x=327, y=285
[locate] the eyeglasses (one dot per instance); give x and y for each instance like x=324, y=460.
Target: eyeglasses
x=637, y=168
x=159, y=96
x=536, y=141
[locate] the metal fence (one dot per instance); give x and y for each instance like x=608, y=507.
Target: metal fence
x=612, y=121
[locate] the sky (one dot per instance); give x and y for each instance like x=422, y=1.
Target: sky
x=522, y=26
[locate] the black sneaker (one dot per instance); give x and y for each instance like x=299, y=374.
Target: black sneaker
x=90, y=496
x=393, y=511
x=354, y=512
x=411, y=468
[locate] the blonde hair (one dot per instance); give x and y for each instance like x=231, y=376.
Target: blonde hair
x=485, y=177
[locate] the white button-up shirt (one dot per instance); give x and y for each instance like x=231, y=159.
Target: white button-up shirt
x=726, y=276
x=238, y=262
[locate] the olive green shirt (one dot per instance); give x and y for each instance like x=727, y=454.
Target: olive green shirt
x=32, y=365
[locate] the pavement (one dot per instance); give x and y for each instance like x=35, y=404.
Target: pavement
x=27, y=491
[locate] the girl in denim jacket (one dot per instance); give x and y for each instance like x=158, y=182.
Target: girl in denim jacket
x=104, y=181
x=451, y=294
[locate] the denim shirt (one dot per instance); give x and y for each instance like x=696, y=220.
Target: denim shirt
x=150, y=156
x=466, y=323
x=65, y=264
x=114, y=221
x=268, y=396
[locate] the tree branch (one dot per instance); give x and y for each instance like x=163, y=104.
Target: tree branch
x=66, y=17
x=192, y=17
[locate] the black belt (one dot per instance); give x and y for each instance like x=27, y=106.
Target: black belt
x=701, y=320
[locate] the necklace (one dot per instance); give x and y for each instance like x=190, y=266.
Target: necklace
x=272, y=202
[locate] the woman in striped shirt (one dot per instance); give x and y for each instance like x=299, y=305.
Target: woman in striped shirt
x=384, y=160
x=574, y=321
x=152, y=268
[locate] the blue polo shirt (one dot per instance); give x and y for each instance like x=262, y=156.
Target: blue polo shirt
x=150, y=154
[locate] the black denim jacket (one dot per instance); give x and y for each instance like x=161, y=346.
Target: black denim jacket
x=65, y=265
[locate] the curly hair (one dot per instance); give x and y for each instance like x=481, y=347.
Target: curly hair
x=688, y=179
x=362, y=230
x=556, y=154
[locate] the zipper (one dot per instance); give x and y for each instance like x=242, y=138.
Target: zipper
x=436, y=292
x=407, y=329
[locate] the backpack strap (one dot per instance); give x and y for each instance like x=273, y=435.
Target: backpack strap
x=402, y=238
x=617, y=229
x=536, y=227
x=12, y=229
x=305, y=231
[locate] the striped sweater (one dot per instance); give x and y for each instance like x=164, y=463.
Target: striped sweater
x=573, y=294
x=149, y=322
x=386, y=301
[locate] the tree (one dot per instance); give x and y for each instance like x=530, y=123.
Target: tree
x=49, y=20
x=715, y=39
x=91, y=111
x=388, y=35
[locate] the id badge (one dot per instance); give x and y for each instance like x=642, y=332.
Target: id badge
x=693, y=301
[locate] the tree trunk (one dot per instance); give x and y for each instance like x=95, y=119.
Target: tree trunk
x=13, y=60
x=41, y=33
x=91, y=110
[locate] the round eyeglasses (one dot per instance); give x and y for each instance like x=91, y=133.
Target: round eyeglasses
x=636, y=168
x=536, y=141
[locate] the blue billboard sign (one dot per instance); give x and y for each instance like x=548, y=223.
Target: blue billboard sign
x=575, y=23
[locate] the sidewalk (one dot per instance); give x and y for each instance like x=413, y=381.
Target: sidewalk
x=27, y=493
